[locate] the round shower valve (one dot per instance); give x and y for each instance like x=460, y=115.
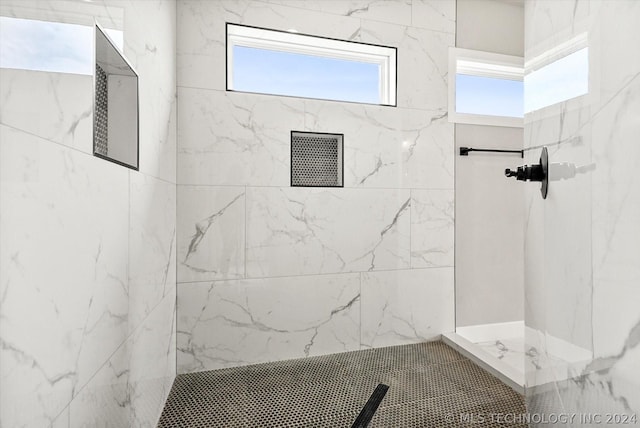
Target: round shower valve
x=539, y=172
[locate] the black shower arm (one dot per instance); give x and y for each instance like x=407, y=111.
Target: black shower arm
x=464, y=151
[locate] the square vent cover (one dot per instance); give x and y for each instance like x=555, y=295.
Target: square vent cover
x=316, y=159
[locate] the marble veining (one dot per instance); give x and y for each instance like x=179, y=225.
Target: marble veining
x=246, y=136
x=309, y=231
x=152, y=244
x=56, y=194
x=212, y=245
x=388, y=148
x=432, y=228
x=65, y=102
x=409, y=306
x=244, y=232
x=88, y=247
x=583, y=240
x=510, y=351
x=266, y=319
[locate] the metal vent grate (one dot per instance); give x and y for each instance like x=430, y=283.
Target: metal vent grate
x=316, y=159
x=100, y=127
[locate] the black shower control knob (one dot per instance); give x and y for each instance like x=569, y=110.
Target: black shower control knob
x=537, y=172
x=519, y=174
x=526, y=173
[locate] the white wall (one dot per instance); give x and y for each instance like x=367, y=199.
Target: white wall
x=269, y=272
x=87, y=253
x=583, y=241
x=491, y=25
x=489, y=207
x=489, y=231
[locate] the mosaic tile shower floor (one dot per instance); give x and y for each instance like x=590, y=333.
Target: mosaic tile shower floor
x=430, y=385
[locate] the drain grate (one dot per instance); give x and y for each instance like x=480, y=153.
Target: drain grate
x=370, y=408
x=430, y=385
x=316, y=159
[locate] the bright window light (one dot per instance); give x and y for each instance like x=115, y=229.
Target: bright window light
x=489, y=96
x=485, y=88
x=560, y=80
x=30, y=44
x=284, y=63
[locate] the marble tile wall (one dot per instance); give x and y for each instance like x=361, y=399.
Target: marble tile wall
x=88, y=248
x=582, y=243
x=269, y=272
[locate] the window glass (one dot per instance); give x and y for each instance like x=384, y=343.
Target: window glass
x=285, y=73
x=489, y=96
x=561, y=80
x=287, y=63
x=30, y=44
x=485, y=88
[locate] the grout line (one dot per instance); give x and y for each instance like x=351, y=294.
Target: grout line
x=320, y=100
x=79, y=151
x=287, y=186
x=245, y=231
x=361, y=307
x=208, y=281
x=411, y=208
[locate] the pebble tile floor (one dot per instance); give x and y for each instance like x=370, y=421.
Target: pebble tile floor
x=430, y=385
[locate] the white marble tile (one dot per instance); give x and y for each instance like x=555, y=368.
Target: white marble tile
x=540, y=365
x=201, y=39
x=534, y=291
x=65, y=106
x=406, y=306
x=437, y=15
x=62, y=421
x=598, y=402
x=189, y=70
x=152, y=51
x=587, y=286
x=509, y=351
x=567, y=250
x=548, y=23
x=558, y=269
x=388, y=147
x=610, y=38
x=422, y=54
x=64, y=277
x=615, y=211
x=246, y=136
x=68, y=11
x=396, y=12
x=152, y=244
x=202, y=23
x=432, y=228
x=423, y=57
x=105, y=400
x=211, y=233
x=69, y=236
x=131, y=387
x=266, y=320
x=152, y=364
x=295, y=231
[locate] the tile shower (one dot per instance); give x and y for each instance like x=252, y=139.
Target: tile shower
x=87, y=253
x=583, y=242
x=286, y=272
x=114, y=281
